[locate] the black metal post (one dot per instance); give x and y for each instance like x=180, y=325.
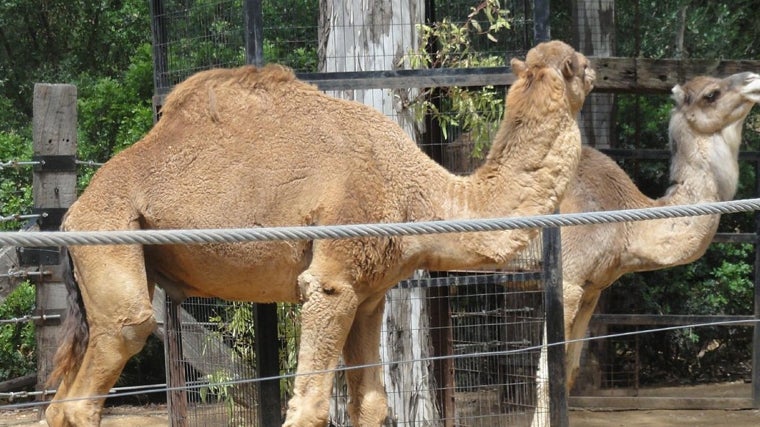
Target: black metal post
x=160, y=49
x=254, y=33
x=264, y=315
x=756, y=329
x=555, y=327
x=267, y=363
x=541, y=23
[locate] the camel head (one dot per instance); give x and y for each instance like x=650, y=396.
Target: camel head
x=706, y=123
x=709, y=105
x=557, y=61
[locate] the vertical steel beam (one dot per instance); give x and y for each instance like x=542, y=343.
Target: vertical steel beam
x=555, y=326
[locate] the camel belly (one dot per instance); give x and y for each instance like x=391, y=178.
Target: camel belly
x=256, y=272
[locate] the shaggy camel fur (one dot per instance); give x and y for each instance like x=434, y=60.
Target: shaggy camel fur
x=247, y=147
x=705, y=133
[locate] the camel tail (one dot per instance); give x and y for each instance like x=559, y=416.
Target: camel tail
x=76, y=332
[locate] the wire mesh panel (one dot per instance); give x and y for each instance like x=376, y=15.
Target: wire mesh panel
x=217, y=354
x=494, y=328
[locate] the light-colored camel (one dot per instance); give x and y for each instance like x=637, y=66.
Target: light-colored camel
x=247, y=147
x=705, y=133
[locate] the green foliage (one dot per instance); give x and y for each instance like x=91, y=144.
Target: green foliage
x=54, y=40
x=289, y=331
x=15, y=182
x=711, y=29
x=234, y=325
x=114, y=113
x=475, y=111
x=18, y=356
x=289, y=36
x=718, y=283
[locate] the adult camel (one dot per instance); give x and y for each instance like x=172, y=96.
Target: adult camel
x=251, y=147
x=705, y=134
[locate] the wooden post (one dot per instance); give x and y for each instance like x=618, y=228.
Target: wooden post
x=594, y=35
x=54, y=127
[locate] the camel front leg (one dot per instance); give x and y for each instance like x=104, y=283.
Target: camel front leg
x=541, y=415
x=368, y=405
x=326, y=318
x=572, y=295
x=575, y=330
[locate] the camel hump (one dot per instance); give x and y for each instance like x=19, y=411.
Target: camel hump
x=243, y=79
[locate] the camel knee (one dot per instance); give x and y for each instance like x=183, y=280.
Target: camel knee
x=136, y=334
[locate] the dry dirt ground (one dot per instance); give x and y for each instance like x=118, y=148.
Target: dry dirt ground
x=142, y=417
x=155, y=416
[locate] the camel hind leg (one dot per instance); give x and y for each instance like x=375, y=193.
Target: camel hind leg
x=117, y=300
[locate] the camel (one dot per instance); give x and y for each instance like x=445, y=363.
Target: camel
x=251, y=147
x=705, y=134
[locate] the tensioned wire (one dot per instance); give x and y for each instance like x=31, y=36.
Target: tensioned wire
x=148, y=237
x=199, y=236
x=162, y=388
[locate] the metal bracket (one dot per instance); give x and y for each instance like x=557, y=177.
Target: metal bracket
x=30, y=257
x=55, y=163
x=49, y=219
x=48, y=317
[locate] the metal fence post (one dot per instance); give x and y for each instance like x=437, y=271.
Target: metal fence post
x=555, y=326
x=756, y=328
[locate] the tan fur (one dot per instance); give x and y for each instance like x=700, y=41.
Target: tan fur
x=705, y=133
x=248, y=147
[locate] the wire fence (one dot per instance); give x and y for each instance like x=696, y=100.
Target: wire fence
x=163, y=388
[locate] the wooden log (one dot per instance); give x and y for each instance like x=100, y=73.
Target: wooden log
x=18, y=383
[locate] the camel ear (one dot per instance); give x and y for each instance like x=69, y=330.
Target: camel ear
x=679, y=95
x=570, y=67
x=518, y=67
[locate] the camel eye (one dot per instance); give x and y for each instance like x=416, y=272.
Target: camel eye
x=712, y=96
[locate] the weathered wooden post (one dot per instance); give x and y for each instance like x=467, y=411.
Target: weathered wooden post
x=54, y=127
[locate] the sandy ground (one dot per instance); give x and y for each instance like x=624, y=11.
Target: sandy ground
x=141, y=417
x=156, y=416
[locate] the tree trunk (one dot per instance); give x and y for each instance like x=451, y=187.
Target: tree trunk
x=594, y=26
x=370, y=36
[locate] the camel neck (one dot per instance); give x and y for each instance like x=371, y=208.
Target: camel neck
x=526, y=173
x=704, y=168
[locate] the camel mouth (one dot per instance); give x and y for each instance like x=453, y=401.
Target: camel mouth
x=751, y=88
